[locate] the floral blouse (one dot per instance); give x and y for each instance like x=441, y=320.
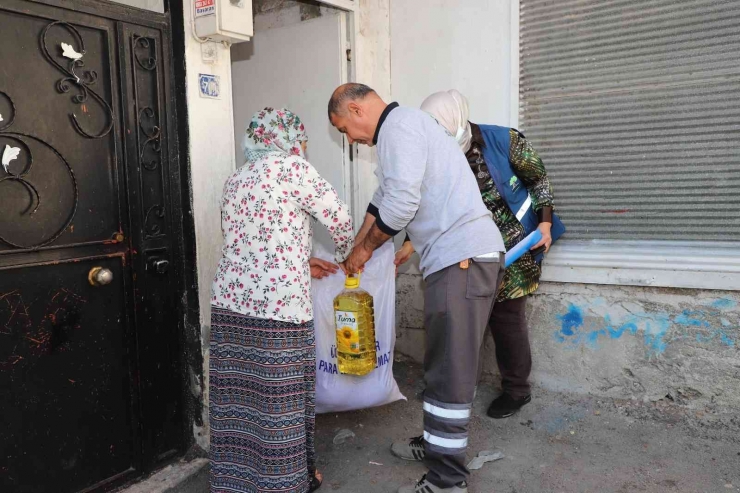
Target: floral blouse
x=266, y=215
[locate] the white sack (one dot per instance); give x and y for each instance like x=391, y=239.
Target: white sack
x=336, y=392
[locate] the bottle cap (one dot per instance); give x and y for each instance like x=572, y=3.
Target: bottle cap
x=352, y=282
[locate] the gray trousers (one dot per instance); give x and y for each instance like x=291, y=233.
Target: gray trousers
x=457, y=306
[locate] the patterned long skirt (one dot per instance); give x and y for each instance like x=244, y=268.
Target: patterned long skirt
x=262, y=404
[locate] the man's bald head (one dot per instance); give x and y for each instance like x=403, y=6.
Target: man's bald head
x=345, y=93
x=355, y=109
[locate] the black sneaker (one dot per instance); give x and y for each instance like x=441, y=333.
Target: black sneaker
x=504, y=406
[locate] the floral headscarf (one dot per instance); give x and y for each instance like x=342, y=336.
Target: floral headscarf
x=273, y=130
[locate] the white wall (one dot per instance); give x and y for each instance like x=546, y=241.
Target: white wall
x=373, y=67
x=211, y=158
x=450, y=44
x=436, y=45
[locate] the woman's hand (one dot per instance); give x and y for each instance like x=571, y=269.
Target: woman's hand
x=404, y=254
x=321, y=268
x=546, y=237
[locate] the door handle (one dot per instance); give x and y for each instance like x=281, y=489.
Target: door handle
x=98, y=276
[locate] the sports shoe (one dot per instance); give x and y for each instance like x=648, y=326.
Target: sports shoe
x=424, y=486
x=412, y=449
x=504, y=406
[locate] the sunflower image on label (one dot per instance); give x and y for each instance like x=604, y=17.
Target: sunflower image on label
x=348, y=334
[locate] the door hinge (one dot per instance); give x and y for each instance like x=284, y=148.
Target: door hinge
x=349, y=54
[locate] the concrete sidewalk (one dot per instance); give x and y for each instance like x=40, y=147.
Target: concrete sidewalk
x=558, y=443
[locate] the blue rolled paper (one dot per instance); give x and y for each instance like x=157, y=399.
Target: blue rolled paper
x=522, y=247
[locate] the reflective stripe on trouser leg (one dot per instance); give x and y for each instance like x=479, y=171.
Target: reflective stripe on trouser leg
x=445, y=426
x=445, y=443
x=446, y=411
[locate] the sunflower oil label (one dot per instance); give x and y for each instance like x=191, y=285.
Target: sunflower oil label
x=348, y=334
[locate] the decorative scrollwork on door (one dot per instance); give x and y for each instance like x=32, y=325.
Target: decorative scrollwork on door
x=151, y=149
x=8, y=174
x=149, y=136
x=145, y=46
x=82, y=82
x=152, y=219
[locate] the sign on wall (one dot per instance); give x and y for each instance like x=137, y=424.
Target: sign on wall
x=205, y=7
x=210, y=86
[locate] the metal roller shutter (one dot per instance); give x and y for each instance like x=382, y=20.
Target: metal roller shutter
x=634, y=106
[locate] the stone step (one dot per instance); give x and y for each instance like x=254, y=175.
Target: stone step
x=180, y=477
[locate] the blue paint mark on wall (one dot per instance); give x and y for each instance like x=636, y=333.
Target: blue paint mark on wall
x=692, y=318
x=572, y=321
x=655, y=333
x=658, y=329
x=727, y=341
x=615, y=332
x=723, y=304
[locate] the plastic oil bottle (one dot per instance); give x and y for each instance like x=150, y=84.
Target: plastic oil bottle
x=355, y=322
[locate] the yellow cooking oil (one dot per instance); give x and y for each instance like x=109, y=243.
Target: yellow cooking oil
x=355, y=321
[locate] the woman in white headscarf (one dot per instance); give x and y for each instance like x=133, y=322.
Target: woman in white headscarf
x=451, y=110
x=514, y=186
x=263, y=357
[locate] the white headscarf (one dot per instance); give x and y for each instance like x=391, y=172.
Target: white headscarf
x=450, y=108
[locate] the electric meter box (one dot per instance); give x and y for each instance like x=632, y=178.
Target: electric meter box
x=224, y=20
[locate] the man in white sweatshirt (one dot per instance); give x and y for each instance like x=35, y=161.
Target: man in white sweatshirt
x=427, y=189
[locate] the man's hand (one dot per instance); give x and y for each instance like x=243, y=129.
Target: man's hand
x=546, y=237
x=357, y=259
x=364, y=249
x=321, y=268
x=404, y=254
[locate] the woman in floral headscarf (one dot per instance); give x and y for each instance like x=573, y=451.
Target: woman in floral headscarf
x=262, y=362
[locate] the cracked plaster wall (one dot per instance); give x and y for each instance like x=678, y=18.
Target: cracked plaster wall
x=617, y=341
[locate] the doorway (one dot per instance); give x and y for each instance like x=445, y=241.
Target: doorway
x=296, y=64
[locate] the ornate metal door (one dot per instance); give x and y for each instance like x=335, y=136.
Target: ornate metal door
x=89, y=358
